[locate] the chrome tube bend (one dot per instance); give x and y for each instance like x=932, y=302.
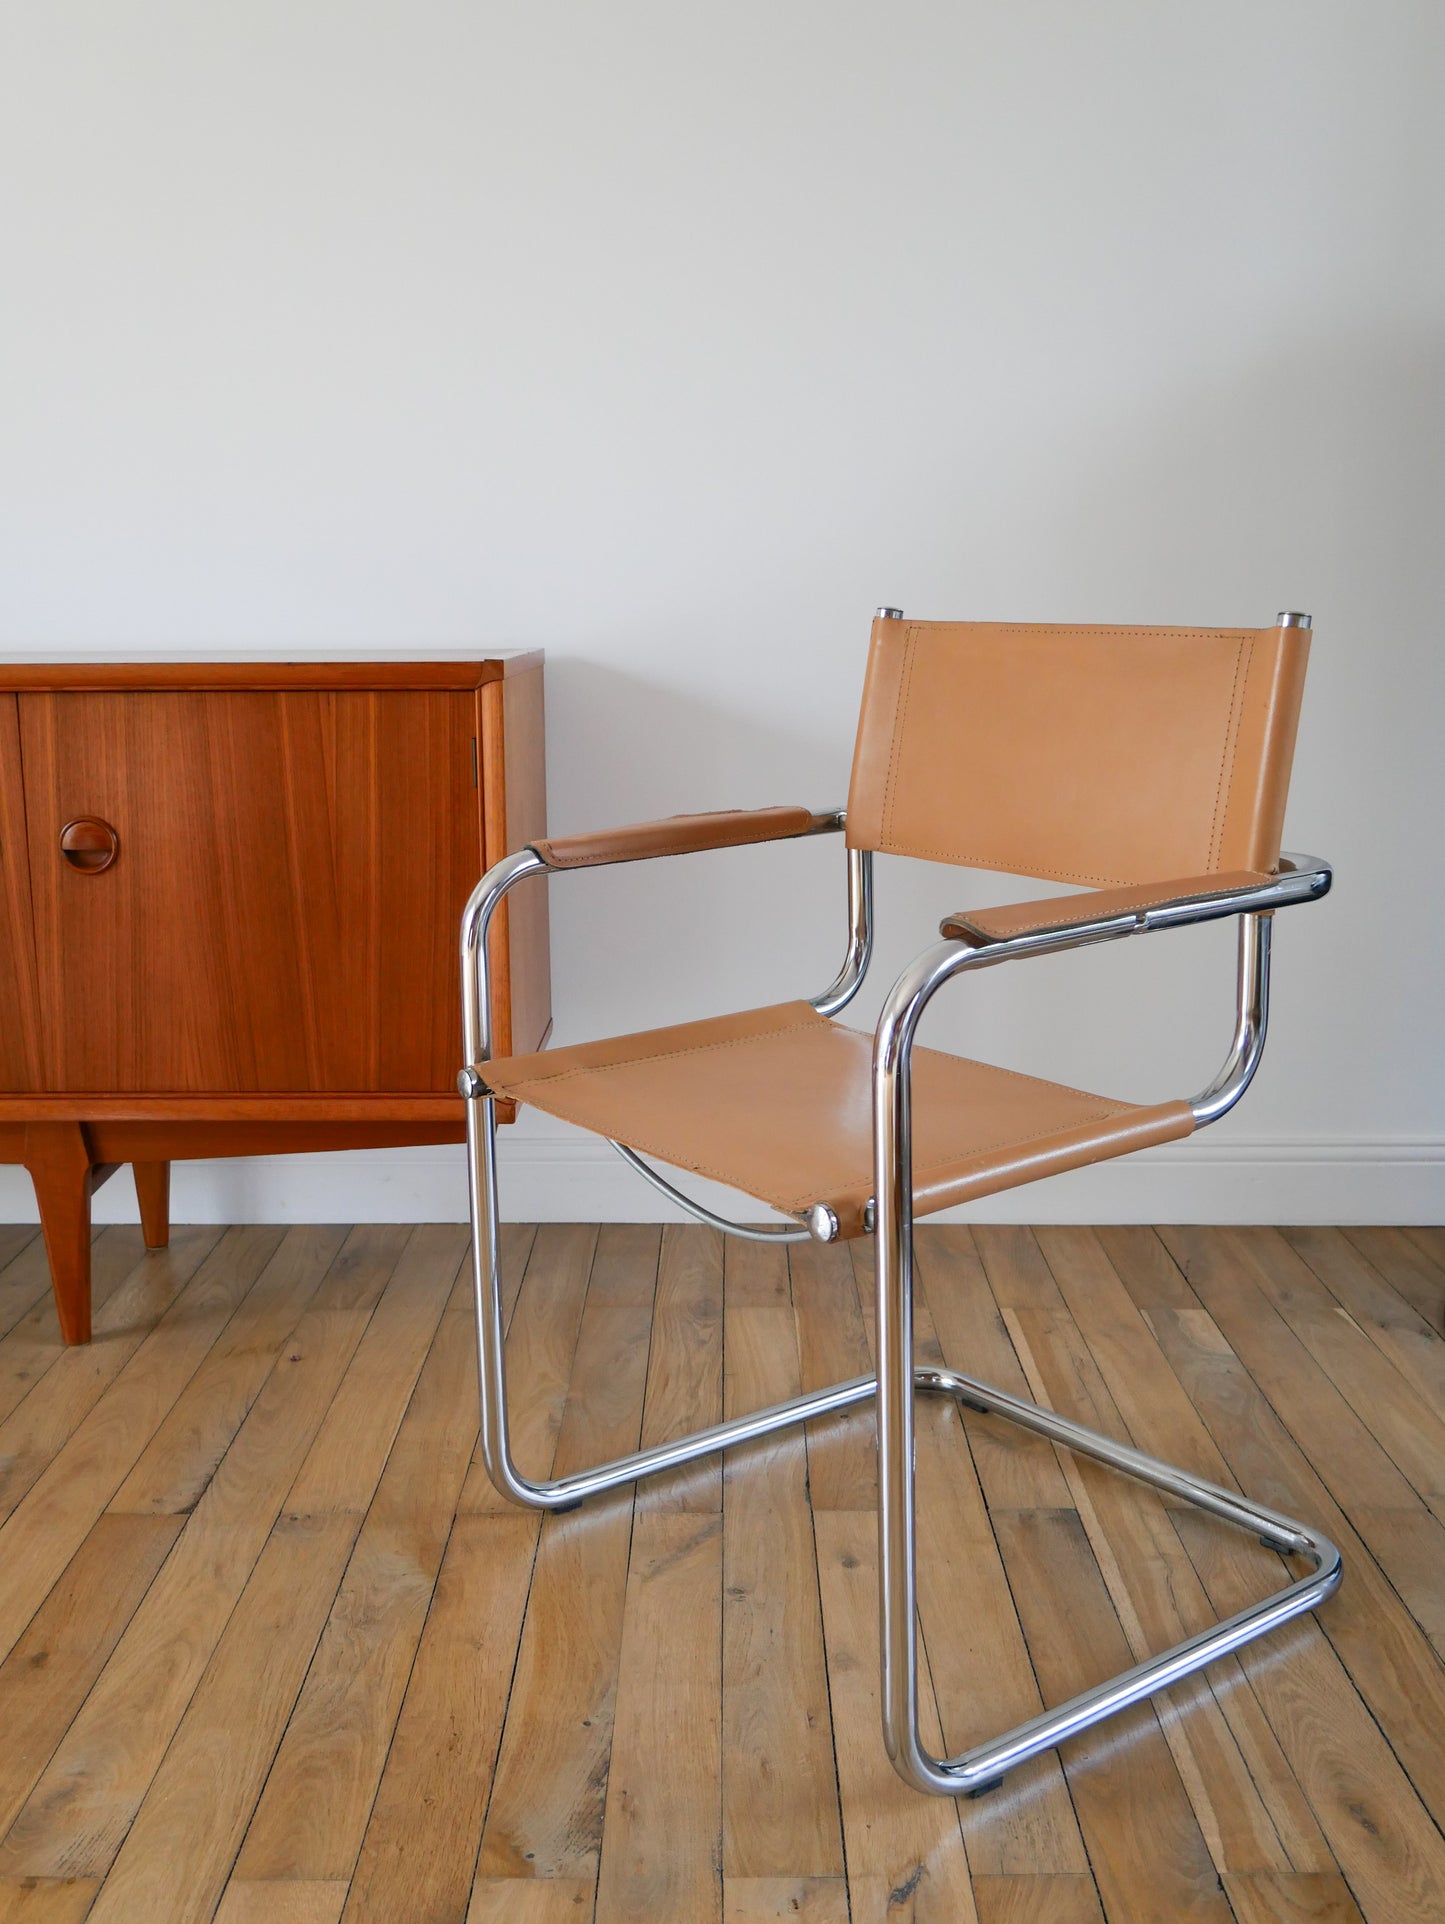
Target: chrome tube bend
x=849, y=979
x=476, y=967
x=1251, y=1023
x=749, y=1232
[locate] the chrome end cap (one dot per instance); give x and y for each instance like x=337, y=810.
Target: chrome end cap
x=822, y=1223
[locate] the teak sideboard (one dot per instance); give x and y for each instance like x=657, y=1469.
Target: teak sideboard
x=231, y=900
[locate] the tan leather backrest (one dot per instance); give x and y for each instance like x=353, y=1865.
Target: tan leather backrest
x=1094, y=755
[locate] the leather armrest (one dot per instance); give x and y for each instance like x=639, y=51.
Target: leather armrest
x=1064, y=912
x=683, y=834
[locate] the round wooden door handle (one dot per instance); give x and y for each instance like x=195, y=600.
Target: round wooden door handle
x=89, y=844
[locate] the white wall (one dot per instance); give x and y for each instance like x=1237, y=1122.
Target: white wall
x=673, y=338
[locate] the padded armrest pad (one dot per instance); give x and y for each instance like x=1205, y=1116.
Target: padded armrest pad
x=981, y=926
x=679, y=835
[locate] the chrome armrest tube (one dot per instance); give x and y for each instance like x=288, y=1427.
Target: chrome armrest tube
x=1302, y=878
x=503, y=875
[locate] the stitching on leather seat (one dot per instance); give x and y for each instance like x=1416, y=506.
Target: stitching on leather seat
x=839, y=1187
x=1008, y=1142
x=664, y=1055
x=820, y=1026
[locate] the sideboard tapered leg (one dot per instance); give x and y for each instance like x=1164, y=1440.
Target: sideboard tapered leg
x=153, y=1191
x=58, y=1158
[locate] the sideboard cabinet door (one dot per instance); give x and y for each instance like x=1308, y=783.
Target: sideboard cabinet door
x=250, y=892
x=20, y=1069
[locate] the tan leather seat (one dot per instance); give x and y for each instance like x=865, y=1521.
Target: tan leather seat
x=776, y=1102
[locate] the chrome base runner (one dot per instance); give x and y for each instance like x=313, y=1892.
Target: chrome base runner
x=983, y=1767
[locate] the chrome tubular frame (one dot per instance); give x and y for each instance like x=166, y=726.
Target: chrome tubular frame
x=899, y=1380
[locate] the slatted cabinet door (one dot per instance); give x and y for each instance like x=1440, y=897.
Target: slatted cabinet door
x=280, y=914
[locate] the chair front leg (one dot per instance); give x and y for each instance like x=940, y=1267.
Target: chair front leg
x=897, y=1508
x=566, y=1492
x=487, y=1295
x=897, y=1551
x=983, y=1767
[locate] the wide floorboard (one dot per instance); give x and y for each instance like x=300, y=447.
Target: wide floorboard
x=272, y=1651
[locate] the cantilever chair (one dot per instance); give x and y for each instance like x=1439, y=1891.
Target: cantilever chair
x=1123, y=759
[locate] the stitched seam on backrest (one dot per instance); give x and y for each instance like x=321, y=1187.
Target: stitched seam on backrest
x=1042, y=628
x=895, y=745
x=1244, y=656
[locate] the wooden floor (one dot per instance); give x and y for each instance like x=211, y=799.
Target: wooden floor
x=274, y=1652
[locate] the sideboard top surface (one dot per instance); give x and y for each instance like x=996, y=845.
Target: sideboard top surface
x=263, y=668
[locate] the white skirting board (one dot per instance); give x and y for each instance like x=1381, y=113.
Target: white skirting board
x=1237, y=1179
